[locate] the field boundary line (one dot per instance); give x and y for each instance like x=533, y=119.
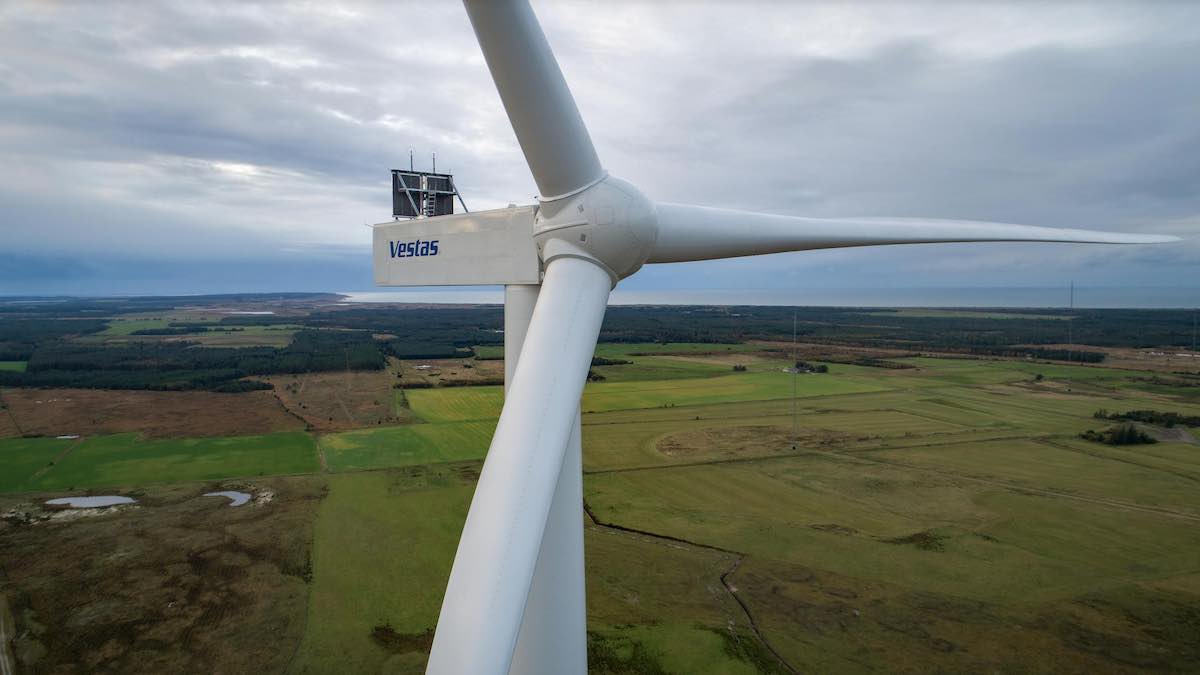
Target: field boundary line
x=308, y=589
x=738, y=557
x=289, y=411
x=1060, y=446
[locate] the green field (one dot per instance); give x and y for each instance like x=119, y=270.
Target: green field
x=941, y=518
x=127, y=460
x=274, y=335
x=279, y=335
x=382, y=552
x=22, y=458
x=16, y=366
x=126, y=327
x=380, y=532
x=468, y=403
x=407, y=445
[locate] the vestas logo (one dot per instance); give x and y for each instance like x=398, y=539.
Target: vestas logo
x=413, y=249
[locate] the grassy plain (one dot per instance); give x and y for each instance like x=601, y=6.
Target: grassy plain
x=245, y=336
x=943, y=517
x=122, y=329
x=23, y=458
x=129, y=460
x=382, y=552
x=466, y=403
x=407, y=445
x=14, y=366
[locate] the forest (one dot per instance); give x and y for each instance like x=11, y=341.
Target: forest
x=58, y=339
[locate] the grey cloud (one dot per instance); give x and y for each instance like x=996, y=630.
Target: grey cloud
x=128, y=113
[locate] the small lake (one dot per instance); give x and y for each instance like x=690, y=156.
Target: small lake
x=91, y=502
x=235, y=498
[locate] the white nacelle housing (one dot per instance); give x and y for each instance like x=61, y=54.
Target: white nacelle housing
x=469, y=249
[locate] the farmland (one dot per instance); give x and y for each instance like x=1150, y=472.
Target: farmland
x=900, y=513
x=128, y=460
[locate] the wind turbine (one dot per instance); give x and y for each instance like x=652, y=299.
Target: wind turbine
x=515, y=599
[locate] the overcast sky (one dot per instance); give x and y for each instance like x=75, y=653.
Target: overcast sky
x=199, y=147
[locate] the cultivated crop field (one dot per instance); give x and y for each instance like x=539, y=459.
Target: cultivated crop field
x=933, y=514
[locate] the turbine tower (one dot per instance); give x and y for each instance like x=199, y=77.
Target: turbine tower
x=515, y=599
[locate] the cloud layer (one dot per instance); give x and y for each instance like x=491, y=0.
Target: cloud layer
x=179, y=139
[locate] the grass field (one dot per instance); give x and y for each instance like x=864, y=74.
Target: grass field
x=407, y=445
x=467, y=403
x=248, y=336
x=128, y=460
x=22, y=458
x=941, y=518
x=379, y=532
x=125, y=327
x=278, y=335
x=14, y=366
x=383, y=547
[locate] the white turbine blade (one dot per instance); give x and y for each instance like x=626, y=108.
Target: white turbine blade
x=497, y=554
x=701, y=233
x=535, y=95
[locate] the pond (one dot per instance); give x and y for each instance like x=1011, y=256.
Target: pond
x=235, y=498
x=90, y=502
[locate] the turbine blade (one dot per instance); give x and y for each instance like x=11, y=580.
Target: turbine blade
x=700, y=233
x=497, y=554
x=535, y=95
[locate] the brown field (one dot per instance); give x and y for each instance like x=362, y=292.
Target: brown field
x=339, y=401
x=451, y=371
x=157, y=414
x=179, y=583
x=1161, y=359
x=8, y=425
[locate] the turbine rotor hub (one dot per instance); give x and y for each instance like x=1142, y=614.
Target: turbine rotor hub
x=609, y=222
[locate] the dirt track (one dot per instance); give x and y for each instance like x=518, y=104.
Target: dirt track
x=6, y=636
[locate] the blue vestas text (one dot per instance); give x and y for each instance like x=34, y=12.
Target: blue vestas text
x=413, y=249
